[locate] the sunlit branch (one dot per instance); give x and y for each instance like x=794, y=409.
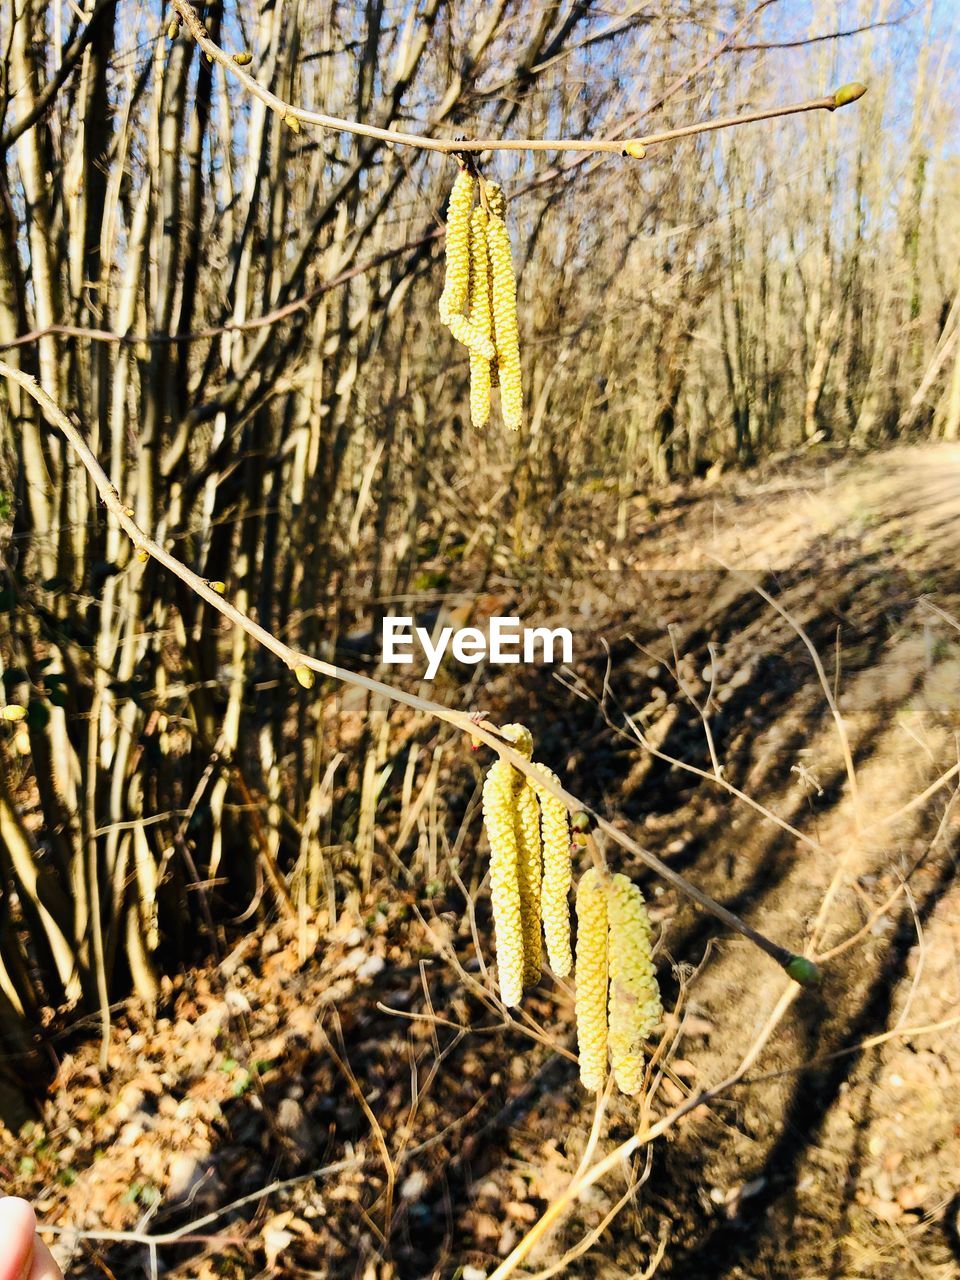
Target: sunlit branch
x=304, y=666
x=636, y=147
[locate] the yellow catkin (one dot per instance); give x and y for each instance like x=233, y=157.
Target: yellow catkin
x=499, y=819
x=496, y=200
x=456, y=282
x=496, y=204
x=529, y=870
x=506, y=334
x=467, y=334
x=557, y=874
x=481, y=318
x=635, y=1007
x=456, y=285
x=519, y=737
x=591, y=1001
x=526, y=818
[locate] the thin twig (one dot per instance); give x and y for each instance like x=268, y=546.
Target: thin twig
x=179, y=1234
x=916, y=803
x=275, y=316
x=804, y=42
x=901, y=888
x=941, y=613
x=580, y=689
x=388, y=1165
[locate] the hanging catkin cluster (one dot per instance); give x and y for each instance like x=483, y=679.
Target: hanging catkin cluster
x=529, y=839
x=479, y=300
x=618, y=999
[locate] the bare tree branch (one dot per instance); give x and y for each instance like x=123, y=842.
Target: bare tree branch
x=628, y=146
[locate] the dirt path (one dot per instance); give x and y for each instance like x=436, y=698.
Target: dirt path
x=834, y=1162
x=902, y=501
x=847, y=1169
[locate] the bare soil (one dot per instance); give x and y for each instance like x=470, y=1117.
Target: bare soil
x=330, y=1054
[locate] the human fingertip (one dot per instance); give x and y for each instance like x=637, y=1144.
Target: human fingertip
x=44, y=1267
x=18, y=1226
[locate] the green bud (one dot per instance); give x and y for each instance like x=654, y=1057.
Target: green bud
x=304, y=675
x=849, y=93
x=580, y=821
x=218, y=586
x=292, y=123
x=803, y=971
x=13, y=711
x=243, y=58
